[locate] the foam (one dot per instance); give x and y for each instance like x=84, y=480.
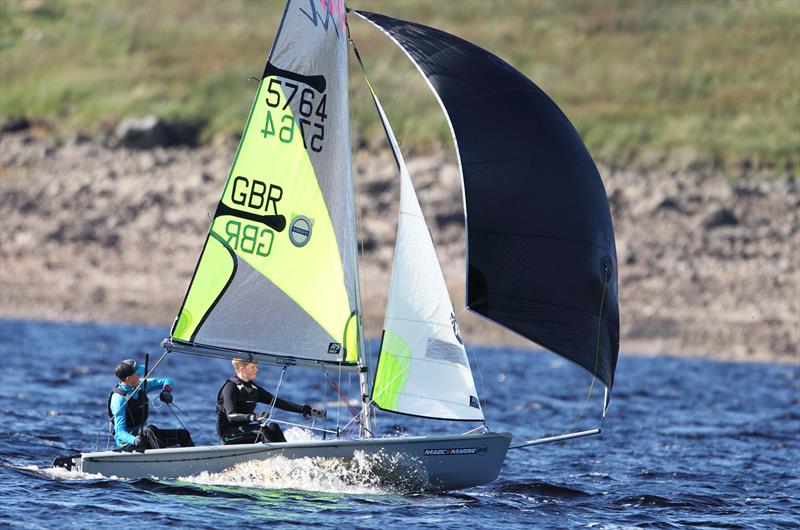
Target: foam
x=375, y=473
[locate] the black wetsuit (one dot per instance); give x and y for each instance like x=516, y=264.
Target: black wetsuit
x=236, y=401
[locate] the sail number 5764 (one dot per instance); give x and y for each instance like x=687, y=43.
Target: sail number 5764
x=281, y=124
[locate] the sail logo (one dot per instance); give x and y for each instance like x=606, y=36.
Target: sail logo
x=334, y=348
x=300, y=230
x=333, y=10
x=456, y=451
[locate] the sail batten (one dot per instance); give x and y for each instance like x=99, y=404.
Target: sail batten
x=541, y=256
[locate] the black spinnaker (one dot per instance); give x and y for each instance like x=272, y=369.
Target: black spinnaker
x=541, y=256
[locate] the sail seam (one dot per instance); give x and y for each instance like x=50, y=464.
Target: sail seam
x=484, y=96
x=543, y=303
x=448, y=325
x=420, y=396
x=223, y=352
x=224, y=288
x=538, y=236
x=411, y=214
x=426, y=360
x=427, y=417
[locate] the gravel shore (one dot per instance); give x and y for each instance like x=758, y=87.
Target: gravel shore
x=709, y=263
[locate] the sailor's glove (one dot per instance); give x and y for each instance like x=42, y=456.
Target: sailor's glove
x=138, y=444
x=165, y=396
x=309, y=413
x=257, y=417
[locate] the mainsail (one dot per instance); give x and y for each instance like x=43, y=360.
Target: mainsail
x=423, y=368
x=278, y=272
x=541, y=252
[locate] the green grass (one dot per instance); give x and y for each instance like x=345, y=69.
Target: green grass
x=682, y=84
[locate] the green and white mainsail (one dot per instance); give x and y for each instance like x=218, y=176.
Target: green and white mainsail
x=423, y=368
x=278, y=276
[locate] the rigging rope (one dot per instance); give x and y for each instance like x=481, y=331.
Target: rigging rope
x=169, y=406
x=477, y=365
x=596, y=362
x=367, y=353
x=342, y=397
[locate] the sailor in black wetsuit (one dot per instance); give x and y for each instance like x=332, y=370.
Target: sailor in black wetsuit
x=237, y=422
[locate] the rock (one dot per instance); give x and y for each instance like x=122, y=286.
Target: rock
x=377, y=187
x=747, y=189
x=79, y=138
x=617, y=200
x=668, y=203
x=143, y=133
x=115, y=234
x=15, y=125
x=719, y=217
x=447, y=218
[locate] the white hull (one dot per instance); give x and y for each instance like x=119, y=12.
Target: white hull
x=436, y=462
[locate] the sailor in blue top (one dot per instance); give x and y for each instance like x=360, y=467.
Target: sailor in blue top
x=128, y=410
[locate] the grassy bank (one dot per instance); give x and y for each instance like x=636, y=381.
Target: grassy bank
x=682, y=84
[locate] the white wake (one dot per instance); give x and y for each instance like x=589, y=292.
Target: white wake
x=376, y=473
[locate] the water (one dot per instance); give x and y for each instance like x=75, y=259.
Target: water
x=686, y=443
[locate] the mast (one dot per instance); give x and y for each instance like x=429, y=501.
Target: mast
x=363, y=383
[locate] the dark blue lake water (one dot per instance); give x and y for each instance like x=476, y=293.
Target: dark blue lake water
x=687, y=443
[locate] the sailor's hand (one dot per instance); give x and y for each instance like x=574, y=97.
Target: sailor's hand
x=165, y=396
x=309, y=413
x=139, y=443
x=252, y=417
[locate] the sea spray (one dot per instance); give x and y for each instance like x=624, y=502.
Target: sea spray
x=375, y=473
x=66, y=474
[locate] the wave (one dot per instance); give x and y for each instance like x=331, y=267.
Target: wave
x=651, y=500
x=541, y=488
x=173, y=488
x=689, y=501
x=60, y=473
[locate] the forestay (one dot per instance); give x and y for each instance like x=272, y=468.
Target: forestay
x=278, y=274
x=423, y=368
x=541, y=251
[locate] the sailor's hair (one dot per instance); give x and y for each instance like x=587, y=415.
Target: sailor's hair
x=241, y=364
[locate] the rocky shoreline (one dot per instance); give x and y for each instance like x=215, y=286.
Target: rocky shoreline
x=709, y=265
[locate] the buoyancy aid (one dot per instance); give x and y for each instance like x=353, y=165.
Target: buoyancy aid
x=246, y=396
x=136, y=409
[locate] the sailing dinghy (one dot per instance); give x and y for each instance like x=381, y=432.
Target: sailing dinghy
x=277, y=280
